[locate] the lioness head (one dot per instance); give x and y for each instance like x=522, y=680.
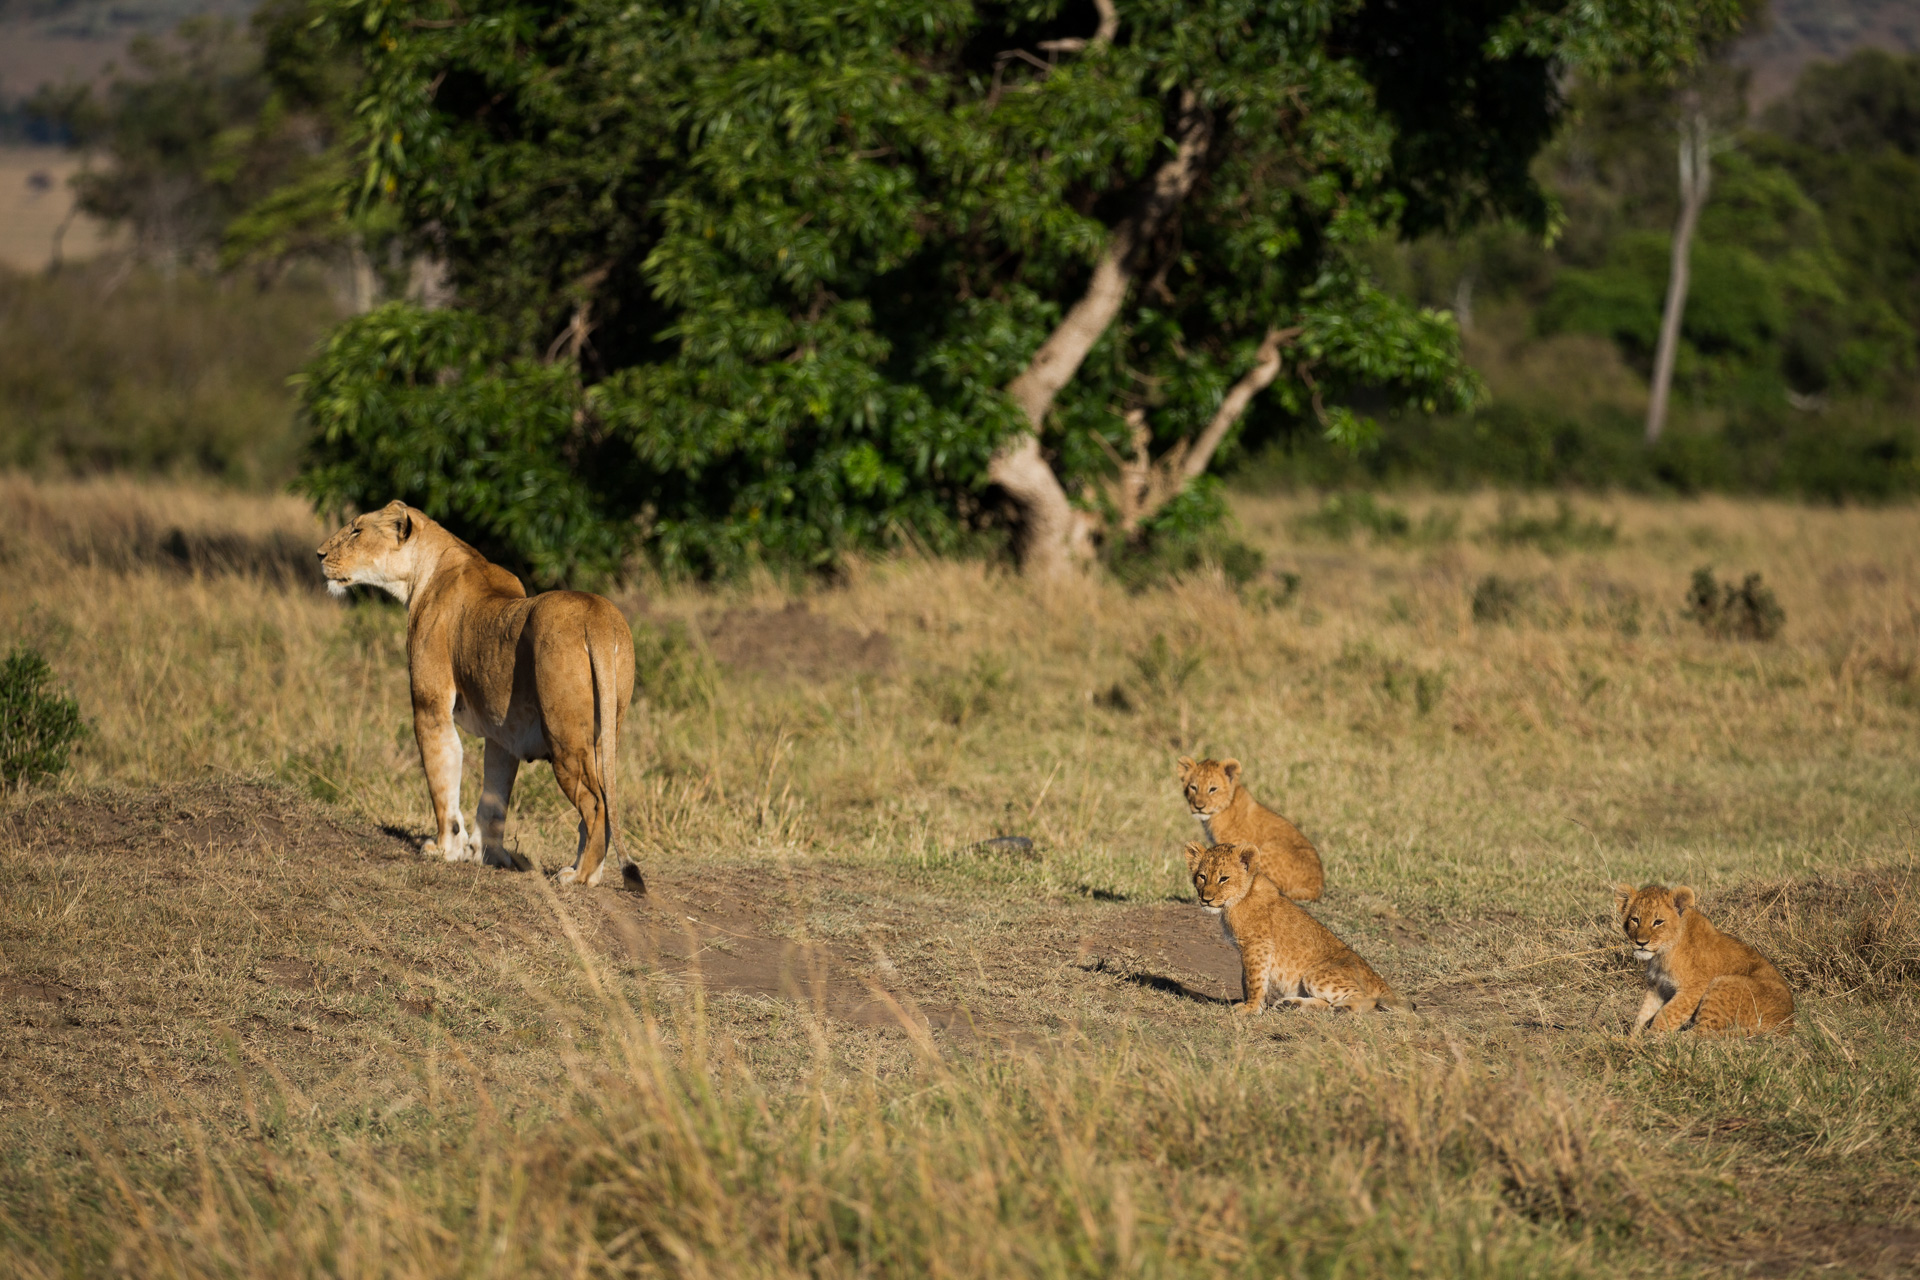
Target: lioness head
x=372, y=551
x=1209, y=784
x=1222, y=875
x=1650, y=916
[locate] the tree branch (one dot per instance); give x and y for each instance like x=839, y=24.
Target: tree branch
x=1266, y=367
x=1056, y=537
x=1060, y=356
x=1109, y=27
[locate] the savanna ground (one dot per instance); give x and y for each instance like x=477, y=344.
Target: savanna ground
x=251, y=1030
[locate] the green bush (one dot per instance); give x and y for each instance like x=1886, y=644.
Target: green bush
x=1746, y=612
x=38, y=727
x=1497, y=599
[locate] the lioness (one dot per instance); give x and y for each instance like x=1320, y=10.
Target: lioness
x=541, y=678
x=1697, y=976
x=1283, y=950
x=1228, y=814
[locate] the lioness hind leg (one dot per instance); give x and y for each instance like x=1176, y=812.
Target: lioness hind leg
x=502, y=768
x=574, y=772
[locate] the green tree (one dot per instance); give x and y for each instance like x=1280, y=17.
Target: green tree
x=784, y=277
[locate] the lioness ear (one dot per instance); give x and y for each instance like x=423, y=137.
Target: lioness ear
x=1622, y=895
x=399, y=519
x=1231, y=768
x=1185, y=767
x=1683, y=898
x=1195, y=852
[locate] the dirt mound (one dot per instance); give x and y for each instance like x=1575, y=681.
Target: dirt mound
x=796, y=643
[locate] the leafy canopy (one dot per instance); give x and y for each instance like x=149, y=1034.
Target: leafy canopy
x=745, y=278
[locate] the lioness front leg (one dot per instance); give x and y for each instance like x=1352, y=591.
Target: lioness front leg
x=502, y=767
x=442, y=758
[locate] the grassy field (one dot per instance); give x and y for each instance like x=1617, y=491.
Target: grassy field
x=250, y=1030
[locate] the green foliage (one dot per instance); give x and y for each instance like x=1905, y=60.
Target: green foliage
x=1746, y=612
x=1342, y=515
x=1497, y=599
x=961, y=697
x=176, y=129
x=1851, y=450
x=38, y=726
x=744, y=281
x=1562, y=531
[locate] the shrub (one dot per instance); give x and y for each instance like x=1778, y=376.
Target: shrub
x=1496, y=599
x=1746, y=612
x=1563, y=531
x=37, y=727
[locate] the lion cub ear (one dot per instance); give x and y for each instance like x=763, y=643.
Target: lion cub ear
x=1185, y=767
x=1231, y=768
x=1195, y=852
x=1683, y=898
x=1245, y=853
x=1622, y=895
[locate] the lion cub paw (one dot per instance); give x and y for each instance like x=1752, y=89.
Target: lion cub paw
x=568, y=875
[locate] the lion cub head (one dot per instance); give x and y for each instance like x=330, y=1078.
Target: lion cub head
x=372, y=551
x=1209, y=784
x=1650, y=916
x=1222, y=875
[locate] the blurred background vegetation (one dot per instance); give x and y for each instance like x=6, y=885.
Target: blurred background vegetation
x=214, y=152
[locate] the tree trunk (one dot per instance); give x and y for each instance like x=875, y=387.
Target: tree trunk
x=1055, y=537
x=1696, y=175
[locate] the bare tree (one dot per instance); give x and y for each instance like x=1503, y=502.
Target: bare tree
x=1696, y=176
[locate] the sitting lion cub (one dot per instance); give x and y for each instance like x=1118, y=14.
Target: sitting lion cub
x=1229, y=814
x=1698, y=976
x=546, y=678
x=1282, y=948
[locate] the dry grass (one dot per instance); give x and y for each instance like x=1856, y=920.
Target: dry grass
x=843, y=1037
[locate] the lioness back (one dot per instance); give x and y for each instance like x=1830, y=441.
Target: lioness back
x=1698, y=977
x=1284, y=953
x=1228, y=814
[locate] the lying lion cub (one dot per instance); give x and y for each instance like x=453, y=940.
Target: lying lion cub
x=546, y=678
x=1229, y=814
x=1282, y=948
x=1698, y=976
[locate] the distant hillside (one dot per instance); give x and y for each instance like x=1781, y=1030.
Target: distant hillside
x=51, y=41
x=1797, y=32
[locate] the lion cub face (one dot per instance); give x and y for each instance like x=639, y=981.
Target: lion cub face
x=371, y=551
x=1222, y=875
x=1209, y=784
x=1650, y=917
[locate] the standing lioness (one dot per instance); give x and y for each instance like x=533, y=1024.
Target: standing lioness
x=541, y=678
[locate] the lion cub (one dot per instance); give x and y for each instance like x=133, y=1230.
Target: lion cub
x=1698, y=976
x=1229, y=814
x=1282, y=949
